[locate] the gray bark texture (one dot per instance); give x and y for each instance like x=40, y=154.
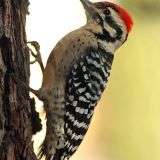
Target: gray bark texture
x=15, y=109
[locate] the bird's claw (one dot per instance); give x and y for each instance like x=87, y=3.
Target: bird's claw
x=36, y=55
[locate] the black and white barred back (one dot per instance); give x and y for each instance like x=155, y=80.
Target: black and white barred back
x=86, y=82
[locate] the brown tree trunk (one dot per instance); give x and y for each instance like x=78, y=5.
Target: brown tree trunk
x=15, y=110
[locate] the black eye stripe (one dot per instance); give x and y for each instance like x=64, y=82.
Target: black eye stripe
x=113, y=24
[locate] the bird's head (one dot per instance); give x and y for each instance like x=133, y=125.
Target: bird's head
x=107, y=12
x=115, y=22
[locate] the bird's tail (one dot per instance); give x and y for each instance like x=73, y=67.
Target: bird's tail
x=43, y=153
x=58, y=155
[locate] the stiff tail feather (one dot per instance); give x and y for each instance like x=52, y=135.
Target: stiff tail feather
x=43, y=153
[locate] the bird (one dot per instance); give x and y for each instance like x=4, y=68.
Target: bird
x=76, y=75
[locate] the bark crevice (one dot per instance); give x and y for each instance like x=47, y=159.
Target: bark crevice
x=15, y=109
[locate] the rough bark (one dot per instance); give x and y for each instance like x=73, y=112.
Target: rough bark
x=15, y=111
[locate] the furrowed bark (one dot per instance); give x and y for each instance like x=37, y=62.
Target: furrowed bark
x=15, y=111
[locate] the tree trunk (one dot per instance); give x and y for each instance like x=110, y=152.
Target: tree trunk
x=15, y=110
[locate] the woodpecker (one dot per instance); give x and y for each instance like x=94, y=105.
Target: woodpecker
x=76, y=74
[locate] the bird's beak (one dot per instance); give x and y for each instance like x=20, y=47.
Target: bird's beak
x=89, y=8
x=87, y=4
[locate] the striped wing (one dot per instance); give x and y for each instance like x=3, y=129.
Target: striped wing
x=85, y=85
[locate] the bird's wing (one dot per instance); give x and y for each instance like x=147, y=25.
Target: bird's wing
x=85, y=84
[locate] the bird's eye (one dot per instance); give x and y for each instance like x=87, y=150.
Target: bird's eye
x=107, y=11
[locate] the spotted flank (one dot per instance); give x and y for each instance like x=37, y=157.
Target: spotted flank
x=86, y=82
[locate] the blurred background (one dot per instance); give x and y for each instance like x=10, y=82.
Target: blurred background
x=126, y=123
